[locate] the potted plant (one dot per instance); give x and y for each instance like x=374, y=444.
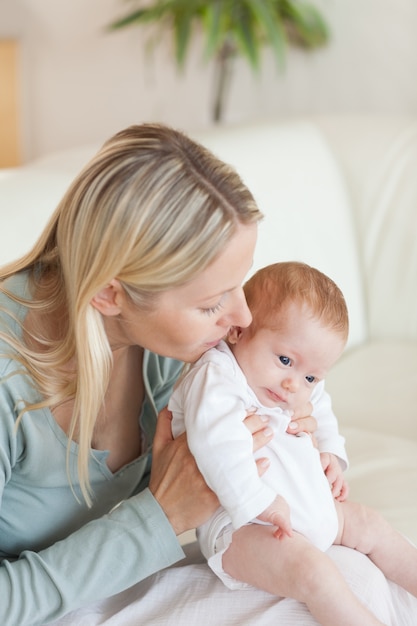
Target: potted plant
x=232, y=27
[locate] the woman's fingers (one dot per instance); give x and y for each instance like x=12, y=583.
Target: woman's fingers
x=261, y=434
x=176, y=482
x=306, y=424
x=163, y=432
x=261, y=431
x=262, y=465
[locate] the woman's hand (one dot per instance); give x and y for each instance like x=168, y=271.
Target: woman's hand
x=302, y=421
x=260, y=430
x=176, y=482
x=262, y=434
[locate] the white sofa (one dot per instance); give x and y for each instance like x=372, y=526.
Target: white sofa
x=339, y=193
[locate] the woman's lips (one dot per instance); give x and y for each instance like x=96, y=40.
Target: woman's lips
x=211, y=344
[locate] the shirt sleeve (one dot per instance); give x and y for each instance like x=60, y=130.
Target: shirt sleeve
x=213, y=411
x=100, y=559
x=327, y=433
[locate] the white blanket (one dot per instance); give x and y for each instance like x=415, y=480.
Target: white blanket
x=191, y=594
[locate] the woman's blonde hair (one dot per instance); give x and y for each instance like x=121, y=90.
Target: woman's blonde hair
x=273, y=287
x=153, y=208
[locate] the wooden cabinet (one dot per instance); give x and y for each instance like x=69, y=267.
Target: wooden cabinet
x=9, y=104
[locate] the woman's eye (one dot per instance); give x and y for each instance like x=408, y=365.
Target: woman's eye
x=212, y=309
x=310, y=379
x=285, y=360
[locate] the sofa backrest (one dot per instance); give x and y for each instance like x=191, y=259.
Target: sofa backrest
x=341, y=196
x=299, y=187
x=378, y=155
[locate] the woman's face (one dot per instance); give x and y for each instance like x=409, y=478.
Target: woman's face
x=185, y=321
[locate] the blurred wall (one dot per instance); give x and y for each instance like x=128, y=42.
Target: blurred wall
x=79, y=83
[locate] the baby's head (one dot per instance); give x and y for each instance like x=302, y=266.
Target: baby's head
x=271, y=289
x=299, y=329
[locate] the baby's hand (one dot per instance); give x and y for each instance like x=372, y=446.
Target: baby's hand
x=334, y=474
x=278, y=514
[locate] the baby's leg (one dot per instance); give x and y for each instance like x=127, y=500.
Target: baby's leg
x=366, y=530
x=292, y=567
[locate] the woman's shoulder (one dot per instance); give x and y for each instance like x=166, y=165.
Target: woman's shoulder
x=13, y=292
x=17, y=285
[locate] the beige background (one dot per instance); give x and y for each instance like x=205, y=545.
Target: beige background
x=79, y=84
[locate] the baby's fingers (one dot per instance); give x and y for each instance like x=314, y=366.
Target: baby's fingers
x=283, y=525
x=344, y=492
x=281, y=532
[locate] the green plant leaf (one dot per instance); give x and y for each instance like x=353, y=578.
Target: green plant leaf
x=250, y=23
x=245, y=33
x=270, y=22
x=129, y=20
x=182, y=32
x=306, y=26
x=231, y=27
x=213, y=23
x=137, y=17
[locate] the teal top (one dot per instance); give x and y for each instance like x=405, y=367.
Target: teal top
x=56, y=554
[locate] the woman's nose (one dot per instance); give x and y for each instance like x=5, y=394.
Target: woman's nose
x=239, y=313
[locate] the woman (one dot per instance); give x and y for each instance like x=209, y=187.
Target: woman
x=139, y=268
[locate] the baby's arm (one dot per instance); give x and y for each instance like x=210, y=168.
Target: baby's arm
x=278, y=514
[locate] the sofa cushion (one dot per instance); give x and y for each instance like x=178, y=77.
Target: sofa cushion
x=383, y=475
x=374, y=395
x=375, y=386
x=29, y=195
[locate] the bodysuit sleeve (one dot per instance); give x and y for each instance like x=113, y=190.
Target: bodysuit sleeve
x=327, y=435
x=209, y=404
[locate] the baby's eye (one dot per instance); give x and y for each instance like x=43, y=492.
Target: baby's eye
x=285, y=360
x=310, y=379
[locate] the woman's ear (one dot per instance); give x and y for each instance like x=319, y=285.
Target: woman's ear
x=234, y=334
x=108, y=300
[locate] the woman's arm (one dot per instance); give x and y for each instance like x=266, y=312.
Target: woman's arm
x=97, y=561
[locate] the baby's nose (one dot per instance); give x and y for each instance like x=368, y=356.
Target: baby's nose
x=290, y=384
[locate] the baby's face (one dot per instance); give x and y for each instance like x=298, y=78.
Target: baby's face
x=283, y=366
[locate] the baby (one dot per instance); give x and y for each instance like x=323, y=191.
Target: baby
x=272, y=532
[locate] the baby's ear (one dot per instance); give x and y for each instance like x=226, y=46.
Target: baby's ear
x=234, y=334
